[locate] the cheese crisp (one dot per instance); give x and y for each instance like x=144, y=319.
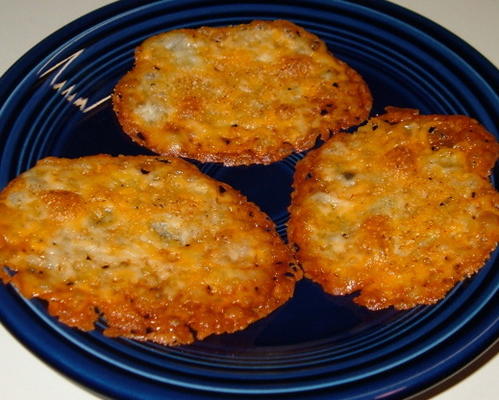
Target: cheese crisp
x=238, y=95
x=150, y=246
x=401, y=210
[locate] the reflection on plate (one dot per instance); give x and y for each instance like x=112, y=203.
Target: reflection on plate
x=55, y=101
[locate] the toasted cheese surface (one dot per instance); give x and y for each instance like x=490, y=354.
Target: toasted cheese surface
x=151, y=246
x=401, y=210
x=242, y=94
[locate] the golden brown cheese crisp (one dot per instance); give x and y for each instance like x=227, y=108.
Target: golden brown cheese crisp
x=237, y=95
x=401, y=210
x=149, y=245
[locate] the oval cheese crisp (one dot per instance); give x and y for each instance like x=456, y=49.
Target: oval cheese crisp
x=150, y=246
x=237, y=95
x=401, y=210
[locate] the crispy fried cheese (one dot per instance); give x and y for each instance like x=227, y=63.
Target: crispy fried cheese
x=242, y=94
x=149, y=245
x=401, y=210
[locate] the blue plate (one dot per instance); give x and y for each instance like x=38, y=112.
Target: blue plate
x=55, y=101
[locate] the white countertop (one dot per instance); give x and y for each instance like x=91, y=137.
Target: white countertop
x=23, y=23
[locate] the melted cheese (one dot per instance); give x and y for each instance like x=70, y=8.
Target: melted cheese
x=242, y=94
x=401, y=210
x=163, y=252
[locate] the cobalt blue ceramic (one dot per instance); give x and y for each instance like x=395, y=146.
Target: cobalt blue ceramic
x=55, y=101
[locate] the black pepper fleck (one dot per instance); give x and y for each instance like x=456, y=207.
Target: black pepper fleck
x=315, y=45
